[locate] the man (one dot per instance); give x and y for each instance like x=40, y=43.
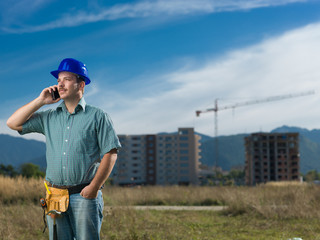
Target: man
x=77, y=135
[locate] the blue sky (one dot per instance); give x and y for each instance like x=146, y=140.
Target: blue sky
x=153, y=63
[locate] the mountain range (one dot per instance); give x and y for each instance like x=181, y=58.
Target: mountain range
x=17, y=150
x=231, y=154
x=231, y=150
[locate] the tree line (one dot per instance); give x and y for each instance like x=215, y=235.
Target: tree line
x=28, y=170
x=312, y=176
x=237, y=177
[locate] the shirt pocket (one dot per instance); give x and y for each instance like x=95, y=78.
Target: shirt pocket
x=86, y=142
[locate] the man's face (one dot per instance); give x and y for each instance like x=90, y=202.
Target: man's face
x=68, y=86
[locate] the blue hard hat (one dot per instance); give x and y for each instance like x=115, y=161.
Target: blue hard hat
x=73, y=66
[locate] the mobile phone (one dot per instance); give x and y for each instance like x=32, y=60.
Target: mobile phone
x=55, y=95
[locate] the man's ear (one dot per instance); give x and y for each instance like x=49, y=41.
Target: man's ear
x=82, y=84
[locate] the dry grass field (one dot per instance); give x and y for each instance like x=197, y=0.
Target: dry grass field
x=270, y=211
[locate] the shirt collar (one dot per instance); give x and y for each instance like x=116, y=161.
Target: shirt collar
x=82, y=104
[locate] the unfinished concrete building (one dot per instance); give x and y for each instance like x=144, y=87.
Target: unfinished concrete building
x=272, y=157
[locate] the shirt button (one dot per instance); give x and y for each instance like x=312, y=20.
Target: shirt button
x=64, y=153
x=68, y=127
x=66, y=140
x=64, y=167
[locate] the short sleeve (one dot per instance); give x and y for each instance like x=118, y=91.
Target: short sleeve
x=34, y=124
x=107, y=137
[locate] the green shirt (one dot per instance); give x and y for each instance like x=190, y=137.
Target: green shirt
x=75, y=142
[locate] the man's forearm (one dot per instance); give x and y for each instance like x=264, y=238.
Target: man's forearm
x=104, y=170
x=17, y=119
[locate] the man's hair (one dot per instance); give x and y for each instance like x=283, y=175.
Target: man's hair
x=80, y=79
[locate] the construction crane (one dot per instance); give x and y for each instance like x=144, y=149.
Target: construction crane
x=241, y=104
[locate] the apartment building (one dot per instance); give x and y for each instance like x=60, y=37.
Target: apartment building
x=272, y=157
x=158, y=159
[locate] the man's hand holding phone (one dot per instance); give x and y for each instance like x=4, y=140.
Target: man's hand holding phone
x=55, y=95
x=50, y=95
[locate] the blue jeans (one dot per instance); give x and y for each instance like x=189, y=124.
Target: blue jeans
x=82, y=220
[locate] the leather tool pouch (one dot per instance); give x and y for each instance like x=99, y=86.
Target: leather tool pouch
x=57, y=201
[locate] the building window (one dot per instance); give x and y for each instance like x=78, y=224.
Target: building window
x=184, y=158
x=291, y=145
x=183, y=132
x=184, y=138
x=184, y=178
x=184, y=145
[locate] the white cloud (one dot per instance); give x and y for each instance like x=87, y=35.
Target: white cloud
x=145, y=9
x=17, y=11
x=286, y=64
x=281, y=65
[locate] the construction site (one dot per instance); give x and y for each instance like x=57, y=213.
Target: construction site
x=178, y=158
x=268, y=156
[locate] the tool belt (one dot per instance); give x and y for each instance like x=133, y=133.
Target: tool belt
x=57, y=200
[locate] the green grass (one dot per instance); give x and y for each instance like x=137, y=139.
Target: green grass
x=262, y=212
x=200, y=225
x=25, y=222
